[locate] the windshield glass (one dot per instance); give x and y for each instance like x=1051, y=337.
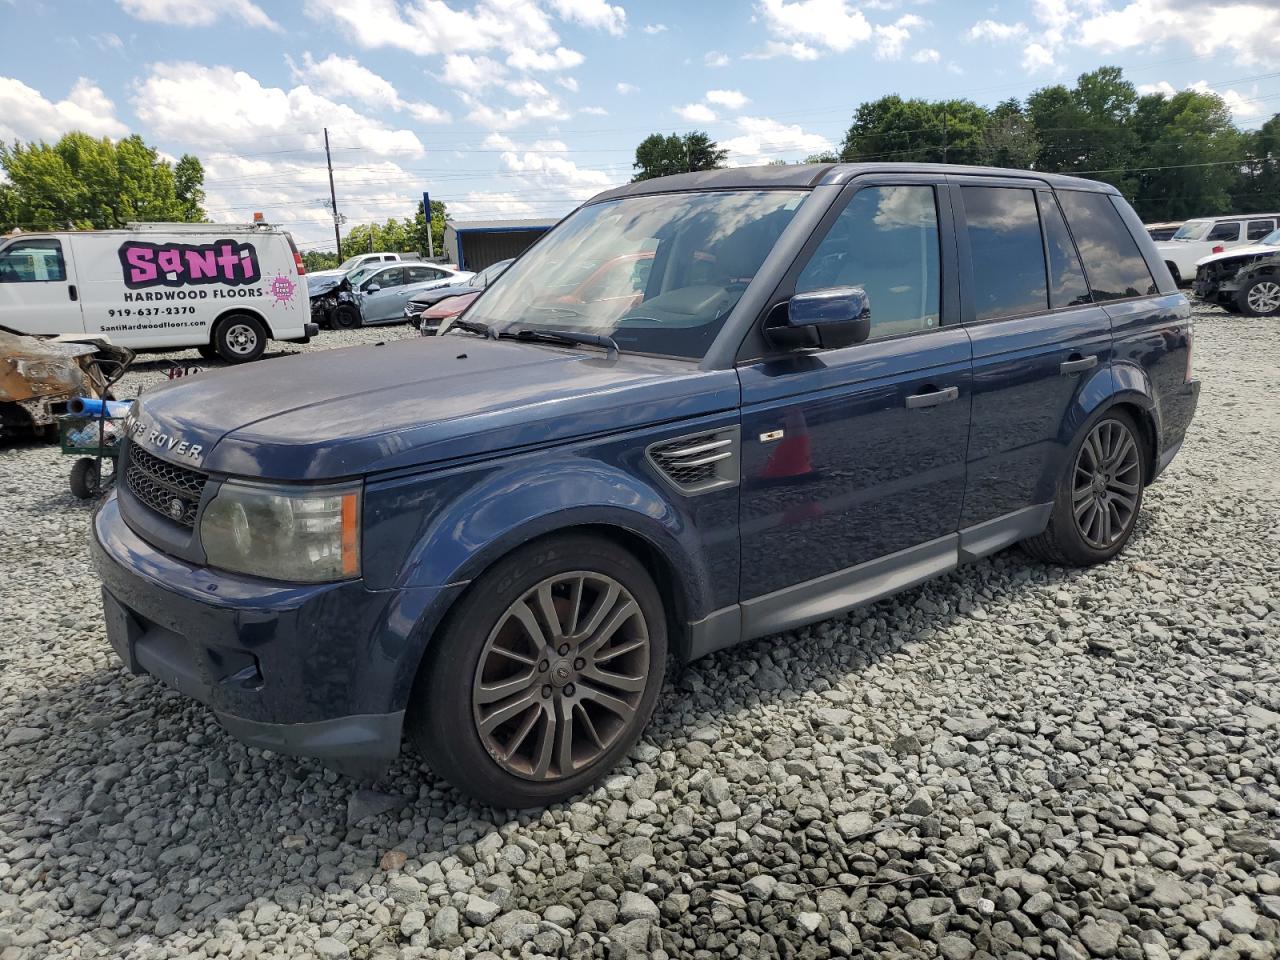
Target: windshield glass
x=658, y=274
x=355, y=276
x=349, y=263
x=1272, y=239
x=1192, y=230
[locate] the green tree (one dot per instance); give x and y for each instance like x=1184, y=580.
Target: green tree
x=438, y=217
x=315, y=260
x=398, y=236
x=659, y=156
x=1184, y=146
x=83, y=182
x=1257, y=183
x=827, y=156
x=1087, y=128
x=917, y=131
x=1009, y=138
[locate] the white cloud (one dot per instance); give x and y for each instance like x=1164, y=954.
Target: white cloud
x=221, y=108
x=927, y=55
x=595, y=111
x=1036, y=57
x=625, y=88
x=347, y=78
x=569, y=83
x=527, y=58
x=731, y=99
x=776, y=48
x=538, y=107
x=655, y=28
x=695, y=113
x=892, y=38
x=108, y=41
x=714, y=58
x=1243, y=109
x=472, y=73
x=25, y=114
x=834, y=24
x=593, y=13
x=994, y=30
x=198, y=13
x=763, y=138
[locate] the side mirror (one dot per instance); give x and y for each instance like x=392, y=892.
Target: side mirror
x=372, y=288
x=839, y=316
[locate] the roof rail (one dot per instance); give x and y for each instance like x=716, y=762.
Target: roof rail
x=148, y=227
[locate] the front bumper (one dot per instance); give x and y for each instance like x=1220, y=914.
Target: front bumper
x=319, y=670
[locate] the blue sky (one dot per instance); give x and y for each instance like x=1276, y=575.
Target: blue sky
x=525, y=107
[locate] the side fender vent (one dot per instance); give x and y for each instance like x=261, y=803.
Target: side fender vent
x=700, y=462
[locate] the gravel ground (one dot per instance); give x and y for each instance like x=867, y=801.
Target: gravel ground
x=1014, y=761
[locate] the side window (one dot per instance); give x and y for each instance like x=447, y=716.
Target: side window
x=1225, y=231
x=1067, y=286
x=885, y=241
x=1257, y=229
x=33, y=261
x=388, y=278
x=419, y=274
x=1006, y=251
x=1112, y=260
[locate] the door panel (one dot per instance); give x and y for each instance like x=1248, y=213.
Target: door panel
x=38, y=290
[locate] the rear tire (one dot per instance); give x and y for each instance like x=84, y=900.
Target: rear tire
x=1099, y=495
x=240, y=338
x=520, y=707
x=1260, y=297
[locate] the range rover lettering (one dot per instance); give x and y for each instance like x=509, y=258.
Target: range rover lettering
x=703, y=409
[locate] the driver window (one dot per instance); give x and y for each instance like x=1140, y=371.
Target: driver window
x=1225, y=231
x=387, y=278
x=885, y=241
x=32, y=261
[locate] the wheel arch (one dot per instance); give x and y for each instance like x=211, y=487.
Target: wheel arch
x=1135, y=399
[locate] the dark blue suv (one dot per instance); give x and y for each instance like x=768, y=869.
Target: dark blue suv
x=702, y=409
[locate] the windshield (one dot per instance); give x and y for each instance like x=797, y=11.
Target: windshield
x=1192, y=230
x=1272, y=239
x=349, y=263
x=355, y=276
x=659, y=274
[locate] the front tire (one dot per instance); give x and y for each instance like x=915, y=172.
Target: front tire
x=346, y=317
x=1260, y=297
x=545, y=674
x=1099, y=495
x=240, y=338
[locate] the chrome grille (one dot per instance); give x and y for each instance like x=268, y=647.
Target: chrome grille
x=700, y=462
x=168, y=489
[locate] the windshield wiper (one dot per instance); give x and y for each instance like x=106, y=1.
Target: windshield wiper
x=568, y=336
x=473, y=326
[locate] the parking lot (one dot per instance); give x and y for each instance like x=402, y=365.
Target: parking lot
x=1014, y=760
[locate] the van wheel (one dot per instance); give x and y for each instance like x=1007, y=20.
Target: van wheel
x=1260, y=298
x=1099, y=495
x=240, y=338
x=346, y=317
x=545, y=674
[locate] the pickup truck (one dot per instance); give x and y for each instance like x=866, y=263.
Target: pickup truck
x=809, y=387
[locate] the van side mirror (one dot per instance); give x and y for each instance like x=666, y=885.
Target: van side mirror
x=834, y=317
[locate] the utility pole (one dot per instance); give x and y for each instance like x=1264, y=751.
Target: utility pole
x=333, y=196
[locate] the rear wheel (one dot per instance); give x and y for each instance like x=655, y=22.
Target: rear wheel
x=1260, y=297
x=1099, y=496
x=545, y=675
x=240, y=338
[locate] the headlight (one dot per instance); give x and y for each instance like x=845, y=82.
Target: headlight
x=302, y=534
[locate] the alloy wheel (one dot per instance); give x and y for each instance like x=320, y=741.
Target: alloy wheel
x=1107, y=483
x=1264, y=297
x=561, y=675
x=242, y=339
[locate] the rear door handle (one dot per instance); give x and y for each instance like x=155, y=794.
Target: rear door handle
x=932, y=399
x=1078, y=365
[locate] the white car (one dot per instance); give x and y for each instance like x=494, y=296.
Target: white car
x=363, y=260
x=1206, y=236
x=225, y=289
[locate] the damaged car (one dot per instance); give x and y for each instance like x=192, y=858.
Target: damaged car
x=1244, y=280
x=333, y=302
x=40, y=375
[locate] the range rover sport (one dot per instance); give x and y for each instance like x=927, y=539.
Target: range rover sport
x=803, y=388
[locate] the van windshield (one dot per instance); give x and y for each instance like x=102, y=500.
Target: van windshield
x=659, y=274
x=1192, y=230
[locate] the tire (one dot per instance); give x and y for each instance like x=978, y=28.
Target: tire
x=86, y=478
x=1260, y=297
x=240, y=338
x=208, y=351
x=1111, y=496
x=1173, y=270
x=485, y=644
x=346, y=317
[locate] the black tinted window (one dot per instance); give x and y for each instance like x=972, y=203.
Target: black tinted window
x=885, y=241
x=1067, y=286
x=1111, y=256
x=1006, y=250
x=1225, y=231
x=1257, y=229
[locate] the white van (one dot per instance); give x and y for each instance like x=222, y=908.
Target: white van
x=223, y=289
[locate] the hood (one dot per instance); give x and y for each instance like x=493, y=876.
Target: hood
x=411, y=403
x=1253, y=250
x=319, y=283
x=435, y=294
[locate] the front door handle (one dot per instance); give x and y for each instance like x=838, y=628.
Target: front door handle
x=72, y=292
x=1077, y=364
x=933, y=398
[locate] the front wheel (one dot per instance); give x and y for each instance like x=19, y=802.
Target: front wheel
x=1098, y=497
x=346, y=317
x=545, y=675
x=1260, y=297
x=240, y=338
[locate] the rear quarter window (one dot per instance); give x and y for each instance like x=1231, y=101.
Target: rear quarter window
x=1112, y=261
x=1006, y=250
